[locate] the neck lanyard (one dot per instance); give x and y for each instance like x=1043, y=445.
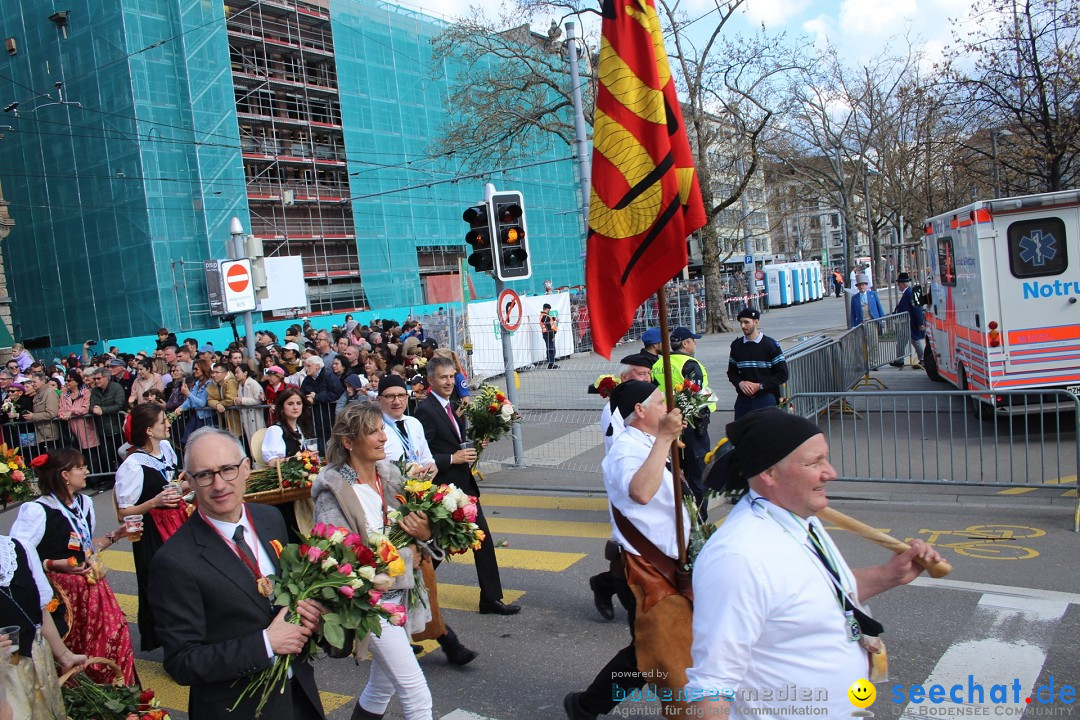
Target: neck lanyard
x=78, y=523
x=842, y=592
x=254, y=545
x=406, y=444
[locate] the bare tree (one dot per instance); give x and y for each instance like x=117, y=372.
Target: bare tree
x=1018, y=70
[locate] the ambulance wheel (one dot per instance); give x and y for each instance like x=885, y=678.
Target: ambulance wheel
x=929, y=364
x=977, y=407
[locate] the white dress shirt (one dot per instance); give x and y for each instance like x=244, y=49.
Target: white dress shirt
x=655, y=519
x=780, y=623
x=413, y=437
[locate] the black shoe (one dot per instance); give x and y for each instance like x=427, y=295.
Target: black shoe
x=553, y=366
x=456, y=653
x=602, y=601
x=897, y=363
x=360, y=713
x=573, y=709
x=416, y=649
x=498, y=607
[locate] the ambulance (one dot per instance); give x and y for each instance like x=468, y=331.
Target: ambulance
x=1002, y=309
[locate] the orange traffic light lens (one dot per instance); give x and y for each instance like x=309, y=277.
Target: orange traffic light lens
x=512, y=236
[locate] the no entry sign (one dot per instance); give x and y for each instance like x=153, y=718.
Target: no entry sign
x=238, y=290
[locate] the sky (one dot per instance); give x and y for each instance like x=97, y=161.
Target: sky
x=859, y=29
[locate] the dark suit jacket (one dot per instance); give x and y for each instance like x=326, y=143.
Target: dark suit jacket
x=210, y=618
x=443, y=441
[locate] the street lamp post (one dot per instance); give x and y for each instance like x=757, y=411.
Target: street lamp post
x=869, y=221
x=994, y=135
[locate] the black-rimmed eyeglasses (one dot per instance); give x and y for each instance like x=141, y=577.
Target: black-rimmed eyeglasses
x=205, y=478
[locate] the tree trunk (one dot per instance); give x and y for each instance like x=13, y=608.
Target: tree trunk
x=716, y=313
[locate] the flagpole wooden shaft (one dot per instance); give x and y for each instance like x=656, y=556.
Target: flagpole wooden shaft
x=669, y=398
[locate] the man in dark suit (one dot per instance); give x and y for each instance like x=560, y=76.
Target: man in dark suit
x=445, y=433
x=207, y=588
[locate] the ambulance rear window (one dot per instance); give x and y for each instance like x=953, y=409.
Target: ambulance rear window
x=946, y=261
x=1037, y=248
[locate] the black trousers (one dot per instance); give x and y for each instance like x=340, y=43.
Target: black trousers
x=487, y=567
x=620, y=675
x=302, y=707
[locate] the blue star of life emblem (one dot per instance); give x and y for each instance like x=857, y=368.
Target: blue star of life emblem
x=1037, y=248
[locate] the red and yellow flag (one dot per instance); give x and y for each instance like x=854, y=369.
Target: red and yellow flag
x=645, y=197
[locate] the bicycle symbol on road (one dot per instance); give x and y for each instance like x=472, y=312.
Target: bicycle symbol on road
x=988, y=542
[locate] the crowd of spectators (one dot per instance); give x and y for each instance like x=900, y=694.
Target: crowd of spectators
x=83, y=400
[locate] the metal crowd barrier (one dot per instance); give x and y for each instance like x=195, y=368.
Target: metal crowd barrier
x=949, y=438
x=840, y=364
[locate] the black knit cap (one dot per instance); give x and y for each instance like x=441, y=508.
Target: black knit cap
x=627, y=395
x=758, y=440
x=390, y=381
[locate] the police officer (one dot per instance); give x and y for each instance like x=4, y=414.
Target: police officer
x=684, y=366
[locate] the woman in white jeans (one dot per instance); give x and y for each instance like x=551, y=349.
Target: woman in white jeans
x=355, y=490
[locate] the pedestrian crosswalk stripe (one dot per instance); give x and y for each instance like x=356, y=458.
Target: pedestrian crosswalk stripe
x=548, y=560
x=1015, y=491
x=175, y=697
x=121, y=560
x=550, y=528
x=451, y=597
x=546, y=502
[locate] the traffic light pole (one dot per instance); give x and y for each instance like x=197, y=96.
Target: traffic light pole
x=508, y=361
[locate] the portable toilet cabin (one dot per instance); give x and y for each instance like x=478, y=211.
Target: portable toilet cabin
x=778, y=285
x=798, y=287
x=815, y=280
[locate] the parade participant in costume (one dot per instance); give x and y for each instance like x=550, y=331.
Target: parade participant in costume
x=354, y=490
x=792, y=610
x=641, y=491
x=59, y=527
x=148, y=487
x=293, y=432
x=210, y=592
x=405, y=441
x=30, y=683
x=632, y=367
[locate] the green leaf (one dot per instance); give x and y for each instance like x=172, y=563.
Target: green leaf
x=329, y=593
x=334, y=634
x=331, y=618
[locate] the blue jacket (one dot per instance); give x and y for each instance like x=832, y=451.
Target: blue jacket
x=876, y=311
x=918, y=319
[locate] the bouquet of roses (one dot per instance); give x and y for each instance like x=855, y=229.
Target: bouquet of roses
x=16, y=480
x=450, y=512
x=604, y=385
x=298, y=471
x=348, y=575
x=691, y=398
x=490, y=415
x=86, y=700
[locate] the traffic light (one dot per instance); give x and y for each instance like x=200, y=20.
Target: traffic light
x=479, y=237
x=509, y=236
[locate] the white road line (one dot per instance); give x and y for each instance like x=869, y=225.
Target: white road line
x=1023, y=592
x=464, y=715
x=554, y=452
x=1023, y=618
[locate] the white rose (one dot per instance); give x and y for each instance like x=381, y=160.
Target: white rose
x=366, y=572
x=449, y=502
x=507, y=411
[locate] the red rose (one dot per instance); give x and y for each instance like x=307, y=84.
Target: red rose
x=364, y=556
x=146, y=696
x=458, y=515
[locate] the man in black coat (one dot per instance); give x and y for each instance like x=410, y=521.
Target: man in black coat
x=217, y=626
x=322, y=389
x=445, y=433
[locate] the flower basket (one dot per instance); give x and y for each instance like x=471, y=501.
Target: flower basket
x=288, y=481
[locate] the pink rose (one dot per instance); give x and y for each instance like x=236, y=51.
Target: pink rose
x=346, y=591
x=18, y=476
x=314, y=554
x=353, y=539
x=345, y=569
x=470, y=512
x=374, y=596
x=319, y=530
x=397, y=613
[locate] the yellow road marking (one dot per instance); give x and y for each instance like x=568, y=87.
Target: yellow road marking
x=556, y=528
x=175, y=697
x=543, y=501
x=548, y=560
x=120, y=560
x=129, y=604
x=1015, y=491
x=467, y=597
x=834, y=528
x=1069, y=493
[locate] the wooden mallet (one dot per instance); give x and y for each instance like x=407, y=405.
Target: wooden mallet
x=846, y=522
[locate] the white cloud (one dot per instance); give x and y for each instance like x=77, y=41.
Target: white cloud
x=860, y=18
x=819, y=29
x=775, y=13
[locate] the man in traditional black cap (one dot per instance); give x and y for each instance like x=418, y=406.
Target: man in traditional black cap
x=787, y=610
x=916, y=318
x=641, y=491
x=636, y=366
x=757, y=367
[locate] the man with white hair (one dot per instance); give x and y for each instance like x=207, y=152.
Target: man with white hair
x=322, y=389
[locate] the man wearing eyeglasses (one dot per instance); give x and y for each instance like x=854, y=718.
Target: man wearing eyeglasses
x=210, y=592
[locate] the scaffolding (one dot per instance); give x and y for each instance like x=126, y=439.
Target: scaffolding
x=292, y=142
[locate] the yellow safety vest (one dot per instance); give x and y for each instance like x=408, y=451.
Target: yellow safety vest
x=677, y=362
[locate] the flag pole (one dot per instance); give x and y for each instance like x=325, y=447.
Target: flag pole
x=669, y=399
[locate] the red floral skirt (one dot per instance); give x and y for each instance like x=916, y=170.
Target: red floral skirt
x=98, y=627
x=169, y=520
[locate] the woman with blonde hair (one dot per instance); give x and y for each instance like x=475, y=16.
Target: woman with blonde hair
x=354, y=490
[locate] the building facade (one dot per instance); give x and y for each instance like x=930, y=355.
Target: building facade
x=309, y=120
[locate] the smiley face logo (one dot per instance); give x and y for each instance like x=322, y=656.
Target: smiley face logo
x=862, y=693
